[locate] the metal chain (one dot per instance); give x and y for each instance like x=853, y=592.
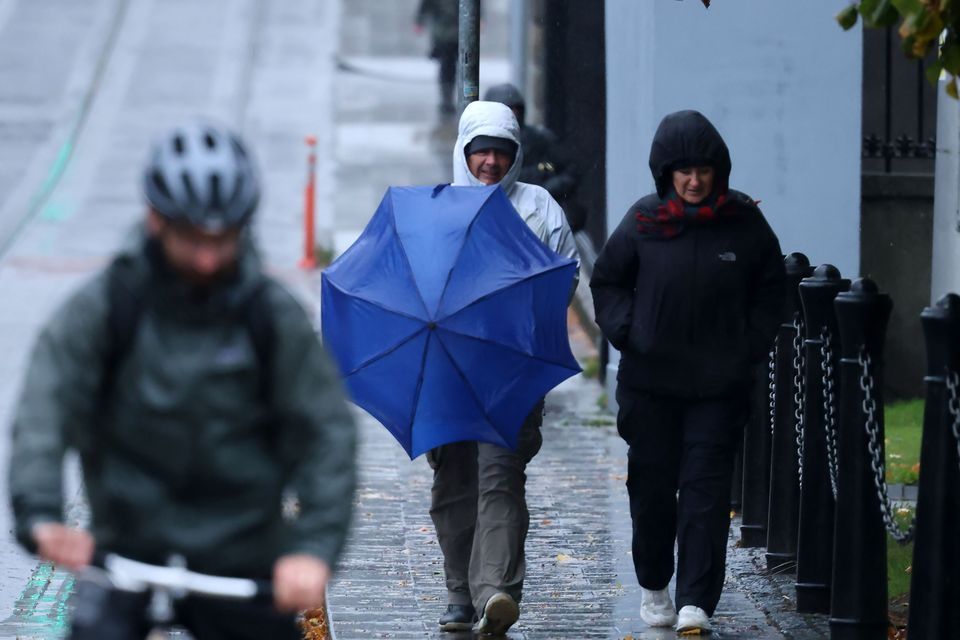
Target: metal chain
x=798, y=391
x=953, y=405
x=869, y=406
x=829, y=405
x=772, y=384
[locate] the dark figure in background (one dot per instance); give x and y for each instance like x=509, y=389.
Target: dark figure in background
x=545, y=161
x=689, y=289
x=443, y=19
x=196, y=392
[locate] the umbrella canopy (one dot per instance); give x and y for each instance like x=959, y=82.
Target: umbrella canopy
x=448, y=318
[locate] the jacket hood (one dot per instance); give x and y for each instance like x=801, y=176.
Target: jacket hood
x=486, y=119
x=687, y=138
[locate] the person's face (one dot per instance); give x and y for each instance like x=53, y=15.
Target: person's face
x=693, y=184
x=489, y=166
x=200, y=257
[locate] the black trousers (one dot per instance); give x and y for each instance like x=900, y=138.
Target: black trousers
x=679, y=472
x=102, y=613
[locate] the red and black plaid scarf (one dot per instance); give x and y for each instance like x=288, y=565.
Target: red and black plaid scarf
x=673, y=214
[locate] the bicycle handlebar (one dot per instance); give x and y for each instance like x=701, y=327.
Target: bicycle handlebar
x=131, y=575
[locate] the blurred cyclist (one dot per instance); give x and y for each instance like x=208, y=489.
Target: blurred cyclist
x=197, y=394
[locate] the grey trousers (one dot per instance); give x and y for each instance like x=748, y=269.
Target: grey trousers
x=479, y=509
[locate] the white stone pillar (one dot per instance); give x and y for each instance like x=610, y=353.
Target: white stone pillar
x=945, y=271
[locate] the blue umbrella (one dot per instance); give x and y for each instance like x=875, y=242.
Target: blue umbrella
x=447, y=317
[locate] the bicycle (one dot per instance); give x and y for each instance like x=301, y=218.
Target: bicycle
x=117, y=597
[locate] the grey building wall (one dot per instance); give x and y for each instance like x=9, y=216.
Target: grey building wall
x=780, y=80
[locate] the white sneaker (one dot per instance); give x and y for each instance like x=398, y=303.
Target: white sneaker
x=692, y=620
x=656, y=608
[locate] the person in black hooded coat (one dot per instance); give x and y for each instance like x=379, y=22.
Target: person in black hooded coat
x=689, y=288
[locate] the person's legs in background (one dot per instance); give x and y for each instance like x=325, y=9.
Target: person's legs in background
x=498, y=564
x=651, y=427
x=712, y=431
x=453, y=508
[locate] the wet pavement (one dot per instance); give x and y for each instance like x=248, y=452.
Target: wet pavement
x=74, y=126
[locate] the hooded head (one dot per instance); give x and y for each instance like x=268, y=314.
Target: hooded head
x=510, y=96
x=493, y=120
x=688, y=139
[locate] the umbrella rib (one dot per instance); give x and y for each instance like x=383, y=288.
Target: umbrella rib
x=416, y=394
x=378, y=305
x=384, y=354
x=506, y=346
x=466, y=382
x=406, y=259
x=520, y=281
x=466, y=236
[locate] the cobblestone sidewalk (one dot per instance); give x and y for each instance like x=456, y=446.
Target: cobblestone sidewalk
x=580, y=582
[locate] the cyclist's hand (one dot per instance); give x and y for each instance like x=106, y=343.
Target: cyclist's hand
x=63, y=545
x=299, y=582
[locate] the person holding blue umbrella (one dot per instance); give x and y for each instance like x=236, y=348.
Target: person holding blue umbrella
x=478, y=502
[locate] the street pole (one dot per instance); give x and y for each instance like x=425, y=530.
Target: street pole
x=468, y=61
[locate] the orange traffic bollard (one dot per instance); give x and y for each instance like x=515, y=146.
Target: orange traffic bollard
x=309, y=260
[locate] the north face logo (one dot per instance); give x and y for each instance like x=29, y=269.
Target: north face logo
x=728, y=256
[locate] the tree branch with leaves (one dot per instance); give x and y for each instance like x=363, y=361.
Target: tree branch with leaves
x=925, y=26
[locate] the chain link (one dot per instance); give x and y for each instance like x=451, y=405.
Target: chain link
x=953, y=405
x=829, y=405
x=799, y=391
x=772, y=384
x=869, y=406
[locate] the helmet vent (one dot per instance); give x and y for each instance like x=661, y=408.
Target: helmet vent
x=188, y=187
x=179, y=146
x=216, y=202
x=160, y=183
x=209, y=140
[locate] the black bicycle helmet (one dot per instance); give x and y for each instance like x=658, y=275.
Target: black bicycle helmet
x=201, y=174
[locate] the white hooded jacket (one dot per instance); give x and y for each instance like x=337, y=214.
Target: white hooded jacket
x=534, y=204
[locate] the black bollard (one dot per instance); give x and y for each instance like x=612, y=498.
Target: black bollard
x=935, y=581
x=815, y=535
x=784, y=507
x=736, y=486
x=756, y=462
x=858, y=609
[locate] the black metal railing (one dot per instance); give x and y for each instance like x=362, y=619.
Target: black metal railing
x=829, y=512
x=899, y=108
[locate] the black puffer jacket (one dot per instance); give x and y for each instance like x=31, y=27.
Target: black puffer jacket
x=690, y=313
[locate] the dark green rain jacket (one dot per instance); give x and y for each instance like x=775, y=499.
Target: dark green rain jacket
x=182, y=455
